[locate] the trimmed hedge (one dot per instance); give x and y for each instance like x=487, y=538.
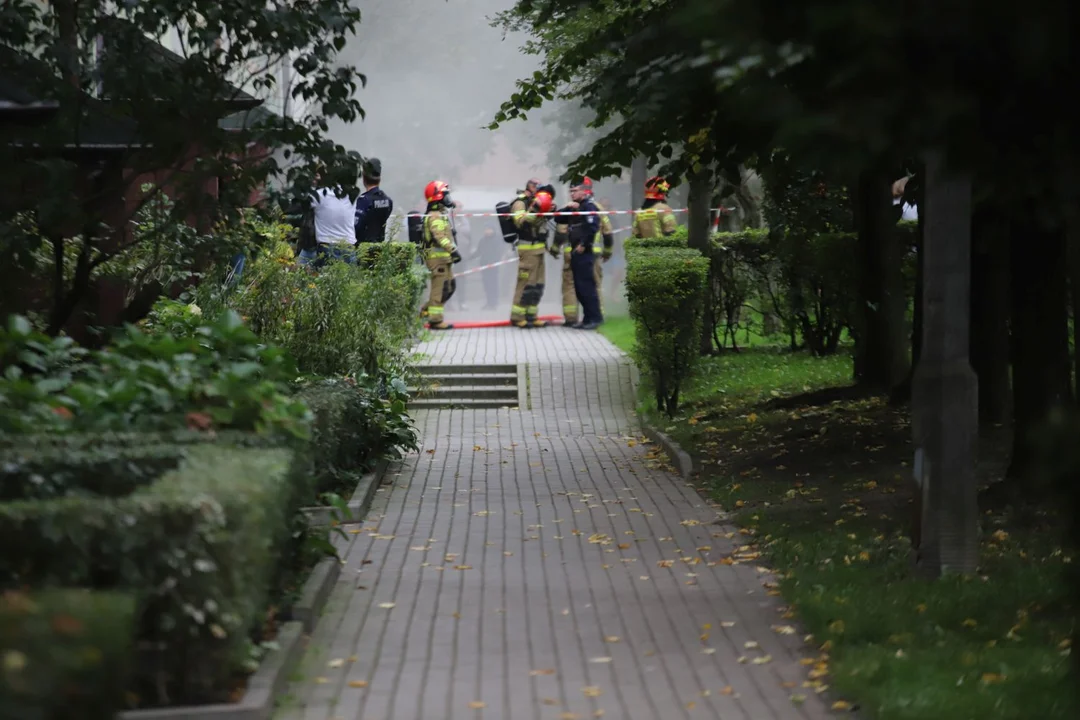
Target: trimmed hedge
x=200, y=545
x=678, y=241
x=66, y=654
x=666, y=290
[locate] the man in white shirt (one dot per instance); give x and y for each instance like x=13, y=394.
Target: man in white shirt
x=334, y=229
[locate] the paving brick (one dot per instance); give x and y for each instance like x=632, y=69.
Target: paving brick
x=526, y=554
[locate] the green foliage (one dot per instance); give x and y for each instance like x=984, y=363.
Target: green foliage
x=354, y=427
x=666, y=289
x=221, y=376
x=402, y=255
x=200, y=544
x=732, y=282
x=345, y=319
x=65, y=654
x=675, y=240
x=31, y=471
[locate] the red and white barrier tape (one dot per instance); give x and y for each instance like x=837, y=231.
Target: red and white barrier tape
x=568, y=213
x=485, y=267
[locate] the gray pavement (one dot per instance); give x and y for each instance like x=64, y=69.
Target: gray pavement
x=541, y=563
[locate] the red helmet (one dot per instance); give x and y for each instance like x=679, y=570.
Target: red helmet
x=656, y=188
x=543, y=202
x=436, y=190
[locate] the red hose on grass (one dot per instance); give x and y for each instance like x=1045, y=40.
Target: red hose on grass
x=498, y=323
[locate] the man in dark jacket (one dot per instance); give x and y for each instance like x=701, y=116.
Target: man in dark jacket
x=373, y=207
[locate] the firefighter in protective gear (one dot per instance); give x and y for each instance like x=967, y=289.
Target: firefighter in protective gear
x=603, y=246
x=440, y=252
x=656, y=217
x=579, y=231
x=531, y=244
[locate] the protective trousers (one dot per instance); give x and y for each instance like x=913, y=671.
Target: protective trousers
x=569, y=296
x=530, y=286
x=583, y=266
x=442, y=287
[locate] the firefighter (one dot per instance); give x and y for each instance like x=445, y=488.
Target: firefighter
x=604, y=244
x=531, y=244
x=656, y=217
x=440, y=252
x=578, y=232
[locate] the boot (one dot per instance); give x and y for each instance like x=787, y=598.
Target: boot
x=441, y=325
x=524, y=324
x=534, y=323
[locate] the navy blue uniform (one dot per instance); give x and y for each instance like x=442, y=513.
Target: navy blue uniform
x=582, y=231
x=373, y=208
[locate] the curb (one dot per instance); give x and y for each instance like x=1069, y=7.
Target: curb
x=263, y=688
x=679, y=457
x=323, y=515
x=316, y=592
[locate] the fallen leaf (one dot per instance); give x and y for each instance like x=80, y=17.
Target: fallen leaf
x=750, y=644
x=727, y=690
x=569, y=716
x=728, y=624
x=549, y=701
x=631, y=443
x=708, y=651
x=463, y=567
x=335, y=663
x=358, y=683
x=762, y=660
x=604, y=659
x=545, y=671
x=665, y=563
x=386, y=606
x=969, y=623
x=992, y=678
x=784, y=629
x=321, y=680
x=592, y=691
x=691, y=705
x=611, y=638
x=477, y=704
x=690, y=523
x=840, y=705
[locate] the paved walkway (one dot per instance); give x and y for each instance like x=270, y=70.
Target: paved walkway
x=539, y=563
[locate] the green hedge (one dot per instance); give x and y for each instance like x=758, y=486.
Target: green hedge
x=666, y=289
x=200, y=545
x=677, y=240
x=65, y=654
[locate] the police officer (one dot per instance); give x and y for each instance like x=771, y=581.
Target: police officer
x=580, y=231
x=440, y=252
x=656, y=217
x=531, y=244
x=373, y=207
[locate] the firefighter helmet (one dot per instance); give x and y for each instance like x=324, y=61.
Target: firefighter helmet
x=436, y=190
x=543, y=202
x=656, y=188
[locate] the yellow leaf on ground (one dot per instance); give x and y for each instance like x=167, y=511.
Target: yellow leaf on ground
x=569, y=716
x=477, y=704
x=321, y=680
x=549, y=701
x=762, y=660
x=358, y=683
x=386, y=606
x=631, y=443
x=463, y=567
x=784, y=629
x=690, y=523
x=992, y=678
x=611, y=638
x=727, y=624
x=335, y=663
x=969, y=623
x=545, y=671
x=727, y=690
x=840, y=705
x=665, y=563
x=604, y=659
x=592, y=691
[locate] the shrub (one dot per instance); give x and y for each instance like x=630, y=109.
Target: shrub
x=676, y=240
x=666, y=290
x=732, y=281
x=199, y=543
x=402, y=255
x=353, y=428
x=219, y=377
x=66, y=654
x=343, y=320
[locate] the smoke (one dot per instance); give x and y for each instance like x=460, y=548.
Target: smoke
x=437, y=73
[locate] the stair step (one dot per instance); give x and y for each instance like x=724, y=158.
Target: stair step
x=441, y=404
x=445, y=379
x=462, y=391
x=503, y=369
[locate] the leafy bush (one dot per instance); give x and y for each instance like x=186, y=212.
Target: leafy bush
x=666, y=290
x=732, y=281
x=676, y=240
x=345, y=319
x=66, y=654
x=354, y=427
x=200, y=544
x=219, y=377
x=402, y=255
x=28, y=471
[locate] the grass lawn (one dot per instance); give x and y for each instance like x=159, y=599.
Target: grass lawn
x=819, y=474
x=620, y=331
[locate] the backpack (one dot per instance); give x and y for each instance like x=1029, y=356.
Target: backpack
x=506, y=223
x=415, y=225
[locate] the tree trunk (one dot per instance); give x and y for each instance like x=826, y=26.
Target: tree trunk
x=884, y=331
x=1073, y=240
x=638, y=175
x=945, y=418
x=697, y=233
x=990, y=313
x=1040, y=350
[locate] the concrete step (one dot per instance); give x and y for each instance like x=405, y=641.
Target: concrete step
x=449, y=379
x=442, y=404
x=503, y=369
x=469, y=392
